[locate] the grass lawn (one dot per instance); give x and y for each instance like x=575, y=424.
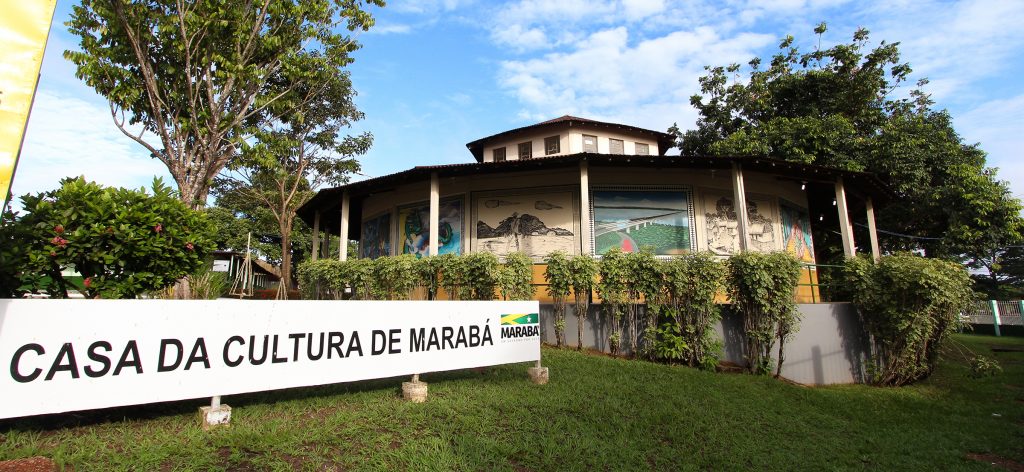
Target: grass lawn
x=597, y=413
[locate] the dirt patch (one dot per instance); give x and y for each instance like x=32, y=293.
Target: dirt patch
x=997, y=461
x=29, y=464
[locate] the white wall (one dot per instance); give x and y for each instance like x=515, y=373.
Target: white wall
x=571, y=142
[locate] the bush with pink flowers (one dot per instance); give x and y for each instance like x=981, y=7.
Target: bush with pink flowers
x=122, y=242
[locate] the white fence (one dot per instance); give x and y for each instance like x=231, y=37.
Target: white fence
x=997, y=313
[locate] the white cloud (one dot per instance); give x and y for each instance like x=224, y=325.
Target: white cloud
x=605, y=76
x=68, y=137
x=997, y=127
x=392, y=28
x=426, y=6
x=639, y=9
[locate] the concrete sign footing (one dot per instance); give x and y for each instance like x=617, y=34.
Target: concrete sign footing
x=538, y=375
x=211, y=417
x=414, y=391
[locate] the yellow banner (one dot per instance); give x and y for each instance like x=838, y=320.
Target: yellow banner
x=24, y=26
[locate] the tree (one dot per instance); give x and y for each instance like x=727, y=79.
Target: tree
x=298, y=154
x=123, y=242
x=202, y=76
x=833, y=107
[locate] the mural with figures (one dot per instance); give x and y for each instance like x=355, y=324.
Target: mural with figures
x=633, y=219
x=375, y=240
x=414, y=228
x=796, y=231
x=722, y=227
x=532, y=223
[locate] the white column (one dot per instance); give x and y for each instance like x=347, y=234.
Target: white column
x=876, y=253
x=435, y=213
x=316, y=235
x=845, y=228
x=327, y=243
x=739, y=198
x=585, y=230
x=343, y=231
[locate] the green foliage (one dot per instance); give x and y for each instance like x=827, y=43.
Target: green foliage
x=982, y=366
x=668, y=344
x=202, y=76
x=582, y=270
x=323, y=279
x=454, y=280
x=209, y=285
x=394, y=277
x=643, y=283
x=481, y=275
x=762, y=287
x=123, y=242
x=830, y=107
x=428, y=272
x=516, y=277
x=558, y=276
x=691, y=283
x=613, y=288
x=909, y=306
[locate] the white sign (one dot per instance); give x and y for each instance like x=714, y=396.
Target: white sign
x=67, y=355
x=221, y=265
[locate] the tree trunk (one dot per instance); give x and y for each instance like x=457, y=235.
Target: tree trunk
x=286, y=257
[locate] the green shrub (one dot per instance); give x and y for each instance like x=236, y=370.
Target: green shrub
x=691, y=283
x=763, y=288
x=323, y=279
x=123, y=242
x=582, y=269
x=982, y=366
x=558, y=276
x=613, y=287
x=453, y=276
x=516, y=277
x=428, y=271
x=668, y=344
x=481, y=275
x=909, y=306
x=643, y=284
x=394, y=277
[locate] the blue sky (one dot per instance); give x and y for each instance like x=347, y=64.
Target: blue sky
x=435, y=74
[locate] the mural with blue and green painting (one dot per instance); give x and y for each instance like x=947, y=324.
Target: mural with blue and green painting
x=633, y=219
x=414, y=228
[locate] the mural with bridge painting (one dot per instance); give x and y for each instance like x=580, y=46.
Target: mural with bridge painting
x=633, y=219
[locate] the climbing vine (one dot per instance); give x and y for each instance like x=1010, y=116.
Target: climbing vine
x=582, y=270
x=516, y=277
x=692, y=281
x=613, y=271
x=558, y=276
x=762, y=287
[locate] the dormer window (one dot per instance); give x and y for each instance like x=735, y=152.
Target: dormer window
x=551, y=146
x=589, y=143
x=642, y=149
x=616, y=146
x=526, y=150
x=498, y=154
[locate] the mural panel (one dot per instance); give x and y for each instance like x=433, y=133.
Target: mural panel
x=375, y=240
x=632, y=219
x=722, y=226
x=532, y=223
x=414, y=228
x=796, y=231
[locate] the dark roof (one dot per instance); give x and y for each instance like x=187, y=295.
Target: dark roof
x=665, y=140
x=328, y=201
